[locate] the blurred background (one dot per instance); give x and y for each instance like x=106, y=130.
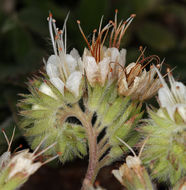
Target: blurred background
x=160, y=26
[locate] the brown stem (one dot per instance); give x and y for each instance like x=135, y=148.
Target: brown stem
x=93, y=158
x=86, y=120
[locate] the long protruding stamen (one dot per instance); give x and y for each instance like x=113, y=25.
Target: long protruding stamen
x=50, y=159
x=37, y=148
x=129, y=20
x=89, y=47
x=44, y=150
x=93, y=40
x=127, y=146
x=20, y=146
x=98, y=44
x=142, y=147
x=102, y=31
x=117, y=31
x=111, y=35
x=51, y=33
x=141, y=55
x=11, y=140
x=103, y=41
x=100, y=25
x=64, y=30
x=116, y=18
x=7, y=140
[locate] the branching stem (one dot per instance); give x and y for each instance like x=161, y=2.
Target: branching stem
x=86, y=120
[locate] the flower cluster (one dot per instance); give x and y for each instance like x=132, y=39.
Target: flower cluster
x=102, y=65
x=97, y=88
x=173, y=99
x=16, y=168
x=165, y=149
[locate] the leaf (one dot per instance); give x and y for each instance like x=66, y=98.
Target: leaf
x=156, y=36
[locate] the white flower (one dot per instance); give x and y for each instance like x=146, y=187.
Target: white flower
x=106, y=68
x=173, y=98
x=138, y=83
x=23, y=162
x=63, y=69
x=4, y=159
x=102, y=64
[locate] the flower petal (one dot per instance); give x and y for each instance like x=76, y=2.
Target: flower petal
x=47, y=90
x=114, y=57
x=74, y=53
x=73, y=82
x=57, y=82
x=52, y=67
x=122, y=57
x=104, y=69
x=129, y=67
x=91, y=68
x=71, y=63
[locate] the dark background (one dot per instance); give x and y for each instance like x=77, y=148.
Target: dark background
x=160, y=25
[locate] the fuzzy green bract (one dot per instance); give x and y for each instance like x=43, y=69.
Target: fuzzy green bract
x=165, y=151
x=109, y=114
x=49, y=119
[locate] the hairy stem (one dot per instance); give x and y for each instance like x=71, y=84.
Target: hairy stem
x=93, y=160
x=86, y=120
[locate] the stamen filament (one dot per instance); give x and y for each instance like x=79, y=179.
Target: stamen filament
x=78, y=22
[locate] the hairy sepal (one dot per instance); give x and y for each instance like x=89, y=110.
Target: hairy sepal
x=45, y=116
x=165, y=151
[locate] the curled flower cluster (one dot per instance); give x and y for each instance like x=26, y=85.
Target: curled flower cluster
x=98, y=89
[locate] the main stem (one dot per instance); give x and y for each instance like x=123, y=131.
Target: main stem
x=86, y=120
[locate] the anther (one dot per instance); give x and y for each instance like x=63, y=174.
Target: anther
x=158, y=66
x=50, y=14
x=133, y=15
x=116, y=10
x=168, y=70
x=177, y=87
x=141, y=48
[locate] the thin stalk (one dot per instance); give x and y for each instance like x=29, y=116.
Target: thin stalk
x=103, y=150
x=102, y=142
x=93, y=160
